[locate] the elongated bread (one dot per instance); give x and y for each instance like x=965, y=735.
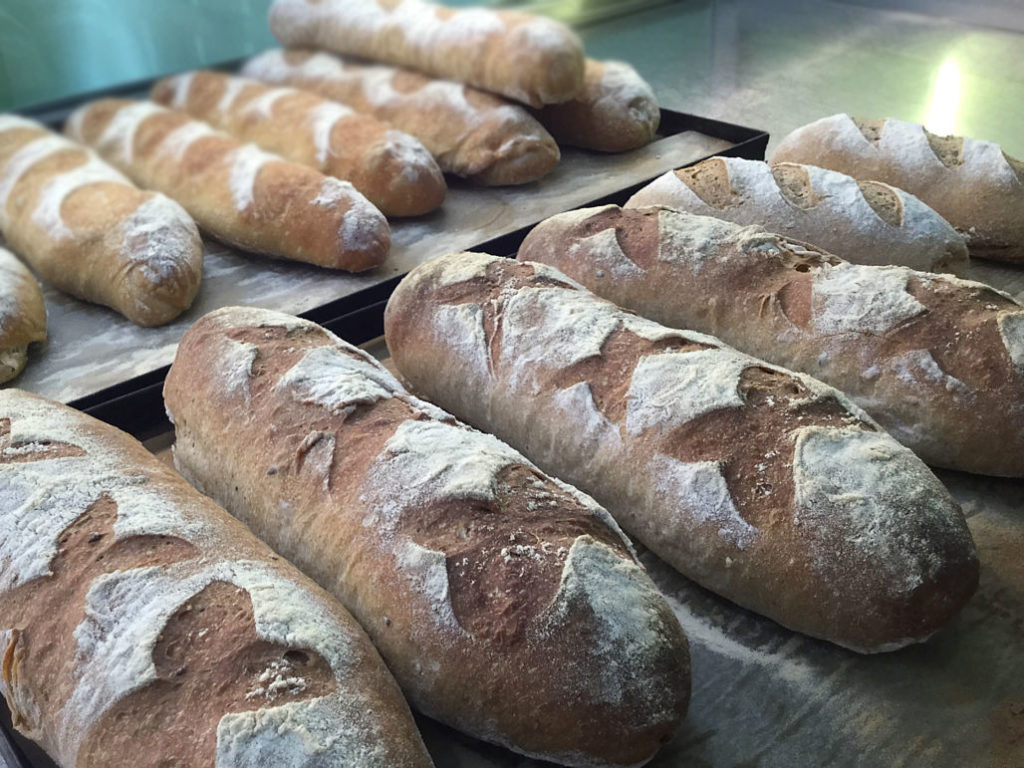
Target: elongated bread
x=470, y=133
x=528, y=58
x=237, y=192
x=976, y=186
x=864, y=222
x=86, y=229
x=506, y=604
x=22, y=315
x=938, y=361
x=395, y=172
x=615, y=112
x=142, y=627
x=765, y=486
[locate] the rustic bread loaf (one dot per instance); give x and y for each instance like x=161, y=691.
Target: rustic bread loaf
x=976, y=186
x=615, y=112
x=237, y=192
x=507, y=604
x=471, y=133
x=142, y=627
x=864, y=222
x=22, y=315
x=395, y=172
x=528, y=58
x=86, y=229
x=765, y=486
x=938, y=361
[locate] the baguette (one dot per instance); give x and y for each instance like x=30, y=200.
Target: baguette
x=864, y=222
x=938, y=361
x=238, y=193
x=527, y=58
x=392, y=169
x=507, y=605
x=86, y=229
x=762, y=485
x=976, y=186
x=142, y=627
x=471, y=133
x=615, y=112
x=22, y=315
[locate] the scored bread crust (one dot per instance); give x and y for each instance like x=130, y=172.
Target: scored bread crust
x=527, y=58
x=864, y=222
x=86, y=229
x=237, y=192
x=22, y=315
x=141, y=625
x=615, y=112
x=938, y=361
x=763, y=485
x=974, y=184
x=507, y=604
x=471, y=133
x=395, y=172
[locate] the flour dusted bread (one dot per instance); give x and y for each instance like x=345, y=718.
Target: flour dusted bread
x=237, y=192
x=86, y=229
x=528, y=58
x=763, y=485
x=615, y=112
x=507, y=604
x=938, y=361
x=471, y=133
x=864, y=222
x=141, y=626
x=22, y=315
x=392, y=169
x=974, y=184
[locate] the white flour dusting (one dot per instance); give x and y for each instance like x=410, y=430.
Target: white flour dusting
x=849, y=298
x=118, y=136
x=1011, y=331
x=322, y=120
x=244, y=166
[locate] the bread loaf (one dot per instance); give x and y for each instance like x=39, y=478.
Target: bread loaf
x=615, y=112
x=507, y=604
x=142, y=627
x=938, y=361
x=765, y=486
x=22, y=315
x=976, y=186
x=864, y=222
x=86, y=229
x=528, y=58
x=470, y=133
x=237, y=192
x=393, y=170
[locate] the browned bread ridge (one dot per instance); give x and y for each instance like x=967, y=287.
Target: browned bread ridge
x=237, y=192
x=22, y=315
x=86, y=229
x=938, y=361
x=974, y=184
x=763, y=485
x=471, y=133
x=527, y=58
x=395, y=172
x=141, y=626
x=507, y=604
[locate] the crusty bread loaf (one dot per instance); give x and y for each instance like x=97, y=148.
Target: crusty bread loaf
x=237, y=192
x=938, y=361
x=22, y=315
x=528, y=58
x=976, y=186
x=864, y=222
x=86, y=229
x=615, y=112
x=765, y=486
x=471, y=133
x=142, y=627
x=395, y=172
x=506, y=604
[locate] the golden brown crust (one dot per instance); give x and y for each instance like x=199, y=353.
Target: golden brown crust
x=22, y=315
